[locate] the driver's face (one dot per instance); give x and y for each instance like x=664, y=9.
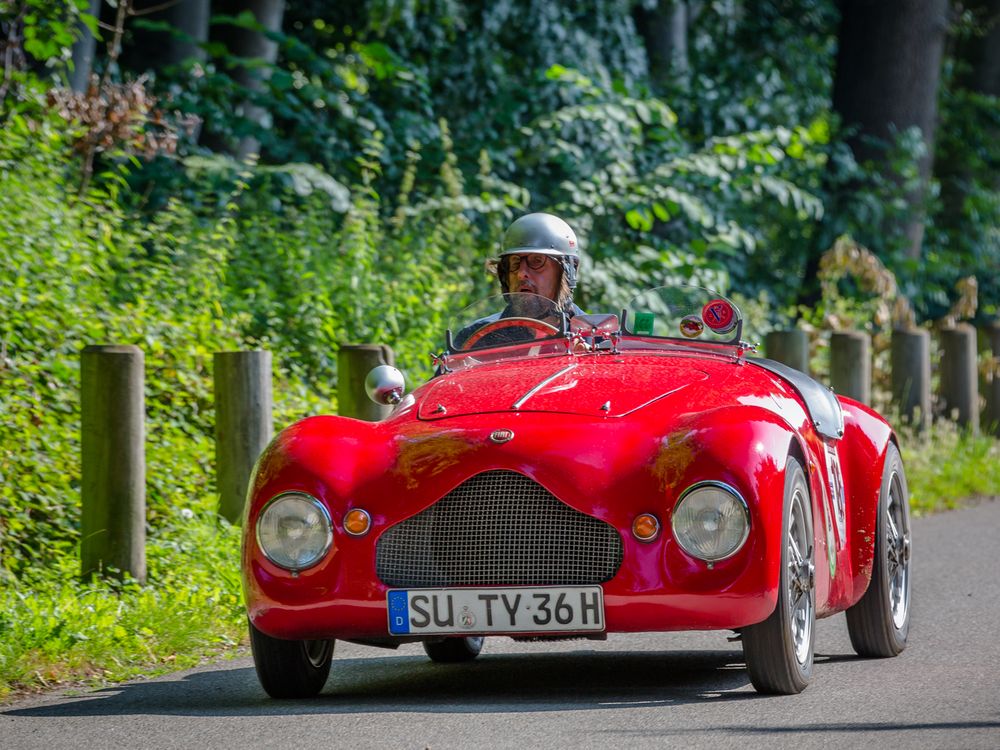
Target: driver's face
x=543, y=281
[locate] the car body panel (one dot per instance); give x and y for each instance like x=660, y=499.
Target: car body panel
x=608, y=434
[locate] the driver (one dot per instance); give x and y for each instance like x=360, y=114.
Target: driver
x=539, y=259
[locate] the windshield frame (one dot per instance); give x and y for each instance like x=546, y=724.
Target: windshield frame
x=568, y=339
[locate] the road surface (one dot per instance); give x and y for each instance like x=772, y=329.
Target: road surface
x=666, y=690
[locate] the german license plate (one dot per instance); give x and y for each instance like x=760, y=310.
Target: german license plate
x=535, y=609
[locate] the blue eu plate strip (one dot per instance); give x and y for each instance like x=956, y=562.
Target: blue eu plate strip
x=399, y=613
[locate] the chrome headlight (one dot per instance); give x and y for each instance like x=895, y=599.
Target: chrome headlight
x=294, y=531
x=711, y=521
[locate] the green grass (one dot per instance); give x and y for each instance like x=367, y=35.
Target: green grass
x=56, y=630
x=947, y=465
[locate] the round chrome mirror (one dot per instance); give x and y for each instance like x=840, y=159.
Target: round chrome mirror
x=385, y=385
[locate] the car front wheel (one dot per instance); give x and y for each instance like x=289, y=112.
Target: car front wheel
x=880, y=622
x=451, y=650
x=290, y=669
x=779, y=651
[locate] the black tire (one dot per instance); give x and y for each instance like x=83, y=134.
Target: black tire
x=879, y=623
x=453, y=650
x=290, y=669
x=779, y=651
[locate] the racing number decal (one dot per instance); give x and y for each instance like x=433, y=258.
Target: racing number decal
x=836, y=487
x=719, y=315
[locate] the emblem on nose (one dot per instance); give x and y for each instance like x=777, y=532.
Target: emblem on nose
x=501, y=436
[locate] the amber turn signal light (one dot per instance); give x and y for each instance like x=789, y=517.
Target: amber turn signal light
x=357, y=522
x=645, y=527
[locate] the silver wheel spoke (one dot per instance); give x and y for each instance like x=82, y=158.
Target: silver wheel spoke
x=893, y=531
x=794, y=549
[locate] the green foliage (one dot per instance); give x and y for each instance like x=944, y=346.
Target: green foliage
x=963, y=236
x=49, y=26
x=318, y=267
x=284, y=258
x=656, y=208
x=79, y=271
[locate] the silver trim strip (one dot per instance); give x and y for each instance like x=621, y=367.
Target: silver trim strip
x=535, y=389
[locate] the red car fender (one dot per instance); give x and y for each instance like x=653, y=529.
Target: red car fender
x=323, y=456
x=862, y=454
x=746, y=447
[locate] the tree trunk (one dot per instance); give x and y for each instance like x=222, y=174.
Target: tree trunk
x=664, y=30
x=83, y=52
x=886, y=81
x=250, y=45
x=154, y=50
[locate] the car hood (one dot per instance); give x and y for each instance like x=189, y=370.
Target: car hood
x=601, y=387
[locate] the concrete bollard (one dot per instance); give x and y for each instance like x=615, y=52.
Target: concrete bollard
x=959, y=375
x=790, y=347
x=354, y=362
x=113, y=470
x=911, y=375
x=851, y=365
x=992, y=384
x=243, y=423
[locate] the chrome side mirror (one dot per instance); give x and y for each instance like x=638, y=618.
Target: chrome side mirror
x=385, y=385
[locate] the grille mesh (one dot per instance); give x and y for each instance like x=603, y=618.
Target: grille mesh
x=498, y=528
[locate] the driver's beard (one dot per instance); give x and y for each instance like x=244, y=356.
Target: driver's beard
x=531, y=306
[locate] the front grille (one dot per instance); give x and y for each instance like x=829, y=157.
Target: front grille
x=498, y=528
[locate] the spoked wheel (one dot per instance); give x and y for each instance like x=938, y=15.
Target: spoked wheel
x=880, y=622
x=452, y=650
x=290, y=669
x=779, y=651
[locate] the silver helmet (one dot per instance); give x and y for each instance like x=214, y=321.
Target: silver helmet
x=544, y=234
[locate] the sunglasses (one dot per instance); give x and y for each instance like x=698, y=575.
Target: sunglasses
x=533, y=261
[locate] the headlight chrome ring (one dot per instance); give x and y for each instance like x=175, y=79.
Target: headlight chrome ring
x=294, y=530
x=711, y=521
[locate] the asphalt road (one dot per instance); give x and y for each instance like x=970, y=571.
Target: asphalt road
x=663, y=690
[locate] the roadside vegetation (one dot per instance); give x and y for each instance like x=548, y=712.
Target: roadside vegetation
x=393, y=141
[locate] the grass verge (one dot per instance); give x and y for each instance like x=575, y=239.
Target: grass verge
x=57, y=630
x=946, y=466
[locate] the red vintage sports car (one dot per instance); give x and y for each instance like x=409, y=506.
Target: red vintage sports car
x=579, y=476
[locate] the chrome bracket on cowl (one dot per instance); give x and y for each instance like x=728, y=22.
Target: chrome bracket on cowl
x=440, y=362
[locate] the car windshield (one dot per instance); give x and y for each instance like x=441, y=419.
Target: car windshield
x=688, y=314
x=526, y=325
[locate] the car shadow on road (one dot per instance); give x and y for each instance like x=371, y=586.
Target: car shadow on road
x=499, y=683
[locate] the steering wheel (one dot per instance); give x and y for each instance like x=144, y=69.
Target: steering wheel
x=540, y=327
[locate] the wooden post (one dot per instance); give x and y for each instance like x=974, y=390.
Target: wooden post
x=789, y=347
x=243, y=425
x=113, y=471
x=992, y=383
x=851, y=365
x=959, y=375
x=911, y=375
x=354, y=362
